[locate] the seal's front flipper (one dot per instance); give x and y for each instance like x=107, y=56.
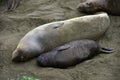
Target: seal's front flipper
x=57, y=25
x=64, y=47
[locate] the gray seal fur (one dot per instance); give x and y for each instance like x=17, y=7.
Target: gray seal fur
x=49, y=36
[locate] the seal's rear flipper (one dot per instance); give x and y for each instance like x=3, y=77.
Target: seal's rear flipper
x=106, y=50
x=11, y=5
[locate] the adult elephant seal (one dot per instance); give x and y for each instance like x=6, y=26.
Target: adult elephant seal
x=51, y=35
x=11, y=4
x=71, y=54
x=92, y=6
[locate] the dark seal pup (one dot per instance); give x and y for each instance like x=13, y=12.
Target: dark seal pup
x=71, y=54
x=93, y=6
x=11, y=4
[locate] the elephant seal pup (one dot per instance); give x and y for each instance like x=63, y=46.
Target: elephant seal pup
x=71, y=54
x=11, y=4
x=51, y=35
x=93, y=6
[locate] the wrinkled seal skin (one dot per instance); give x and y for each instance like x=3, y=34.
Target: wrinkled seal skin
x=71, y=54
x=11, y=5
x=93, y=6
x=52, y=35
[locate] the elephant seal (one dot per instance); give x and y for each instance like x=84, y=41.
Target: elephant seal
x=71, y=54
x=93, y=6
x=11, y=4
x=51, y=35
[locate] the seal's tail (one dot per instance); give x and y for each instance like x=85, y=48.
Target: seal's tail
x=107, y=50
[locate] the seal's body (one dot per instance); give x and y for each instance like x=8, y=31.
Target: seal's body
x=11, y=4
x=70, y=54
x=52, y=35
x=92, y=6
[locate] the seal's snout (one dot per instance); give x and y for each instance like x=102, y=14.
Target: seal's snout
x=81, y=7
x=16, y=57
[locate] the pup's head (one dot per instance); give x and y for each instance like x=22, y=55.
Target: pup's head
x=89, y=7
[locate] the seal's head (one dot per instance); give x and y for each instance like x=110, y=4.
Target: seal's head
x=22, y=54
x=42, y=61
x=28, y=48
x=47, y=59
x=90, y=7
x=19, y=55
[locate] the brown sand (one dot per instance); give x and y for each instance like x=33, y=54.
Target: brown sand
x=31, y=13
